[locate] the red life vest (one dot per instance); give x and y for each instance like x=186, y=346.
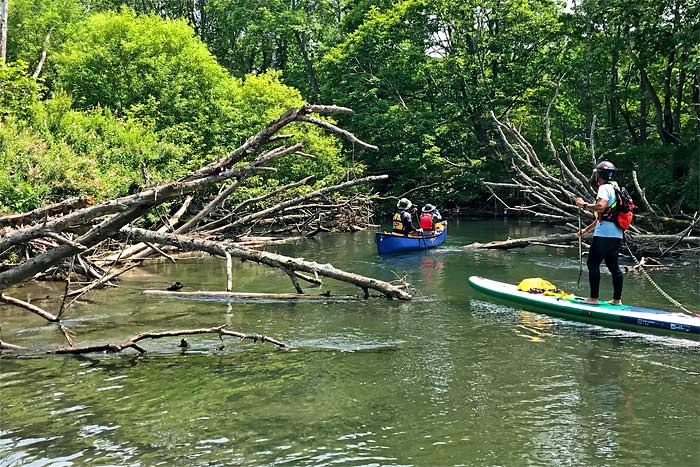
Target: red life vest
x=426, y=221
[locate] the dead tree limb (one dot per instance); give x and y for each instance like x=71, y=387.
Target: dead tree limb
x=642, y=194
x=42, y=57
x=263, y=159
x=274, y=260
x=524, y=242
x=681, y=236
x=168, y=225
x=253, y=201
x=264, y=135
x=218, y=295
x=285, y=204
x=29, y=307
x=46, y=211
x=16, y=348
x=132, y=342
x=101, y=280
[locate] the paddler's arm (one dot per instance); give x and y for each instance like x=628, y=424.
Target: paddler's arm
x=598, y=206
x=587, y=229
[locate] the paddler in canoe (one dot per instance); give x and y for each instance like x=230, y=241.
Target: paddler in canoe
x=607, y=237
x=429, y=219
x=403, y=219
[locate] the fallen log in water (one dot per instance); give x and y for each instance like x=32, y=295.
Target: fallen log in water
x=636, y=242
x=524, y=242
x=285, y=263
x=71, y=237
x=220, y=295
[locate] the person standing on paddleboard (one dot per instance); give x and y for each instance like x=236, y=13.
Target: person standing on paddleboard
x=607, y=237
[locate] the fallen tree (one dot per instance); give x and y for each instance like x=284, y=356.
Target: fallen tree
x=285, y=263
x=550, y=195
x=79, y=241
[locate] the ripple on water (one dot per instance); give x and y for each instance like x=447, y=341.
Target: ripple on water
x=351, y=342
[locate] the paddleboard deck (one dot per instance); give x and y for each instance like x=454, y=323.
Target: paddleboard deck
x=640, y=319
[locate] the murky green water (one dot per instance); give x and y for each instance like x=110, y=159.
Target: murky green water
x=450, y=379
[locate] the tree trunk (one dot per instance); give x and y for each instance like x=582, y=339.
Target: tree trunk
x=309, y=66
x=4, y=10
x=668, y=94
x=613, y=104
x=274, y=260
x=651, y=92
x=695, y=99
x=679, y=94
x=643, y=112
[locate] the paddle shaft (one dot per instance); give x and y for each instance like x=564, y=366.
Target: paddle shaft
x=580, y=251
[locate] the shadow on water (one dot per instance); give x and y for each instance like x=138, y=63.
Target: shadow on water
x=450, y=379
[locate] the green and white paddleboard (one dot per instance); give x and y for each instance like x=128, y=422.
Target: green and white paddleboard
x=605, y=314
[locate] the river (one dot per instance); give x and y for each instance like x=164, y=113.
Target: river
x=447, y=379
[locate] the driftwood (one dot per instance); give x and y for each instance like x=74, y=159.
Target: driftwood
x=29, y=307
x=12, y=347
x=124, y=210
x=554, y=239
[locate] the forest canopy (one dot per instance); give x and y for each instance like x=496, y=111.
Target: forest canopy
x=138, y=91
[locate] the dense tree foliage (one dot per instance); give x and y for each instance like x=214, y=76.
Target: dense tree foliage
x=422, y=75
x=130, y=100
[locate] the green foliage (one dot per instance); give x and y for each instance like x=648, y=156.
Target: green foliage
x=63, y=153
x=31, y=20
x=423, y=77
x=120, y=61
x=18, y=91
x=34, y=172
x=138, y=100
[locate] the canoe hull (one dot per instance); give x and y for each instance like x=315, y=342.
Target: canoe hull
x=392, y=243
x=624, y=316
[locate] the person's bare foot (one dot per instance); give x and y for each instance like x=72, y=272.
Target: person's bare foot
x=591, y=301
x=615, y=302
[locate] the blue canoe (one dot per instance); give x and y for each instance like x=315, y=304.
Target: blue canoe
x=388, y=243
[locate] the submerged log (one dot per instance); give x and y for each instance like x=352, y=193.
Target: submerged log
x=132, y=342
x=206, y=295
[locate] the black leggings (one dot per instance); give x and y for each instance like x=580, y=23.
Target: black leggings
x=605, y=248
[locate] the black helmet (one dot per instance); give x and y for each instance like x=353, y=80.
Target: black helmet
x=605, y=170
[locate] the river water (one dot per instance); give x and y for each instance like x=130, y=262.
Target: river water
x=447, y=379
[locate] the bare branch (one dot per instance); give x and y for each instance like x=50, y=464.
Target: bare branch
x=131, y=342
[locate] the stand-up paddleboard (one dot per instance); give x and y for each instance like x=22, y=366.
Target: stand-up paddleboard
x=605, y=314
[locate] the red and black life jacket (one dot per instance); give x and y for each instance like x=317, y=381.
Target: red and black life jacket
x=621, y=211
